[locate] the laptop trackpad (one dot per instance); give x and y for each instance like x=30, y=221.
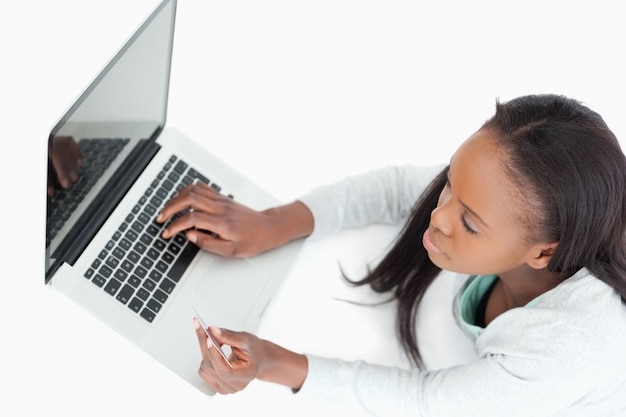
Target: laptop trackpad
x=232, y=286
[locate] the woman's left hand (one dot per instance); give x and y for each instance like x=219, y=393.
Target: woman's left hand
x=247, y=356
x=251, y=357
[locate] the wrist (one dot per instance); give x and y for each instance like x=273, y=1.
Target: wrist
x=284, y=367
x=289, y=222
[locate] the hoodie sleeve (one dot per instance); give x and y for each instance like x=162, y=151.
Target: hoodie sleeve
x=382, y=196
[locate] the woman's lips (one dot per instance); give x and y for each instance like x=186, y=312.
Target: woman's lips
x=429, y=243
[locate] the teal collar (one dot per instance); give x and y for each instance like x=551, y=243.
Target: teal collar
x=471, y=297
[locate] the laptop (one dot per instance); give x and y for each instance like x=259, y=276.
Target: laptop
x=104, y=249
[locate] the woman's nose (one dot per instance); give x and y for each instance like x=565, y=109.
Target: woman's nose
x=440, y=217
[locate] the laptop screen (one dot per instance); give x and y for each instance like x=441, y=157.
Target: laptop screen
x=101, y=144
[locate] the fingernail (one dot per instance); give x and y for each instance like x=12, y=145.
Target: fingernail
x=159, y=217
x=209, y=343
x=216, y=330
x=192, y=237
x=196, y=323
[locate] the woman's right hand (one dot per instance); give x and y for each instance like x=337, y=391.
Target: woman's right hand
x=220, y=225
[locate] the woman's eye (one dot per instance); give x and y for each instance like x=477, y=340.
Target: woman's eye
x=467, y=226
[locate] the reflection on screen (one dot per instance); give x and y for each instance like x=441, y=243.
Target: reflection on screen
x=119, y=113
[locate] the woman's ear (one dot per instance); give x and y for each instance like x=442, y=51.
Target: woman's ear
x=541, y=255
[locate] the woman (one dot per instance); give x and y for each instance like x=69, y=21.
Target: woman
x=531, y=212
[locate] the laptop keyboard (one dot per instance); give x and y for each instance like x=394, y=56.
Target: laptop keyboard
x=97, y=155
x=137, y=266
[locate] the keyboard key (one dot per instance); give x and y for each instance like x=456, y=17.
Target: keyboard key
x=162, y=193
x=127, y=266
x=140, y=271
x=147, y=263
x=135, y=304
x=137, y=226
x=156, y=201
x=150, y=210
x=124, y=295
x=167, y=258
x=161, y=266
x=121, y=275
x=174, y=248
x=143, y=294
x=134, y=280
x=140, y=247
x=180, y=167
x=180, y=239
x=112, y=286
x=167, y=286
x=105, y=271
x=133, y=256
x=152, y=230
x=112, y=262
x=155, y=275
x=144, y=218
x=131, y=235
x=154, y=305
x=183, y=261
x=159, y=244
x=146, y=239
x=168, y=185
x=149, y=285
x=153, y=254
x=99, y=280
x=125, y=244
x=148, y=315
x=160, y=296
x=118, y=253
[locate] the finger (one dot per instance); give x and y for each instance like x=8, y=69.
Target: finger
x=209, y=376
x=203, y=226
x=202, y=339
x=195, y=220
x=186, y=198
x=236, y=340
x=199, y=219
x=239, y=343
x=216, y=355
x=215, y=244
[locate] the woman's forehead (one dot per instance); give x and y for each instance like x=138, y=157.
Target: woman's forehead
x=479, y=178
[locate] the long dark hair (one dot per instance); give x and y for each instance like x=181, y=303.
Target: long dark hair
x=574, y=170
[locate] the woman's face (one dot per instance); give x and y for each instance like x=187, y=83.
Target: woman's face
x=476, y=227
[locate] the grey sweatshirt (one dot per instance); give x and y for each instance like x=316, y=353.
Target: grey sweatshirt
x=563, y=356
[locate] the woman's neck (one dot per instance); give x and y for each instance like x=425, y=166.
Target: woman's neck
x=517, y=288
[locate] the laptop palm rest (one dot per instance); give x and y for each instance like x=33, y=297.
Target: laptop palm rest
x=231, y=287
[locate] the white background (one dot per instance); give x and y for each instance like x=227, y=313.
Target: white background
x=294, y=94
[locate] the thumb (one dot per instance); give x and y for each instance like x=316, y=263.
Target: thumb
x=230, y=338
